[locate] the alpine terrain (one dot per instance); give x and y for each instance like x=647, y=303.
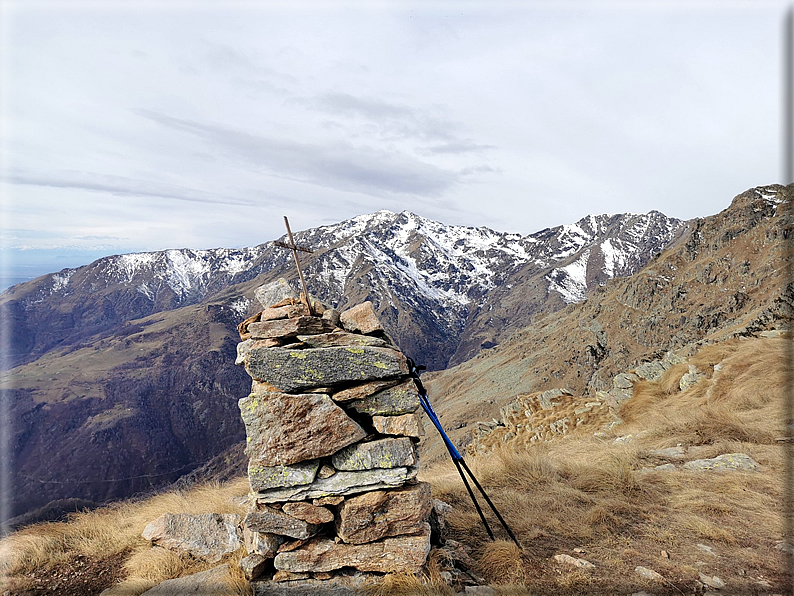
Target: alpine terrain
x=121, y=371
x=623, y=409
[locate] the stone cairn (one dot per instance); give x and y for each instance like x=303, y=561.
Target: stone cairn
x=332, y=427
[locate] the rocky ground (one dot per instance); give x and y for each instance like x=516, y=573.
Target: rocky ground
x=80, y=576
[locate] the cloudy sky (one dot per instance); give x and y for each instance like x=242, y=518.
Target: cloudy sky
x=130, y=126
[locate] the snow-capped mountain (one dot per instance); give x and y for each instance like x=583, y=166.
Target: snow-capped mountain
x=428, y=280
x=124, y=367
x=124, y=375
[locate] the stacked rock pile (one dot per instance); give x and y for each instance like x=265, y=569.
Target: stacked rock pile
x=331, y=427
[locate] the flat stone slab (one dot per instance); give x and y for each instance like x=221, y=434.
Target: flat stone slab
x=576, y=562
x=341, y=338
x=263, y=477
x=383, y=453
x=728, y=462
x=278, y=328
x=294, y=370
x=273, y=521
x=407, y=425
x=356, y=584
x=363, y=390
x=284, y=312
x=393, y=401
x=207, y=535
x=213, y=581
x=341, y=483
x=403, y=554
x=669, y=453
x=379, y=514
x=650, y=574
x=284, y=429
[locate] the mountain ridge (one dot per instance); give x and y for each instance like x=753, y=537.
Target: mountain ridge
x=124, y=377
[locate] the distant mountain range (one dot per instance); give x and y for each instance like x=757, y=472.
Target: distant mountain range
x=123, y=376
x=446, y=277
x=727, y=278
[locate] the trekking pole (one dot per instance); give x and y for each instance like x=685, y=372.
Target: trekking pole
x=457, y=458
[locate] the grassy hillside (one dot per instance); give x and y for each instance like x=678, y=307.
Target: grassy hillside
x=593, y=495
x=726, y=277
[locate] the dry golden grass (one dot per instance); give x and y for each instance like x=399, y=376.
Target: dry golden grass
x=404, y=584
x=593, y=493
x=579, y=492
x=116, y=529
x=501, y=562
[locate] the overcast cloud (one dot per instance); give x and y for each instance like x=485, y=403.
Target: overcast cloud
x=136, y=126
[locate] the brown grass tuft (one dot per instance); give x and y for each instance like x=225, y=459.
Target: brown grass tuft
x=501, y=562
x=671, y=379
x=646, y=395
x=405, y=584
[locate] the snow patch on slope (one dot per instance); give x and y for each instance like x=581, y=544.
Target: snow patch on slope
x=614, y=258
x=571, y=281
x=61, y=280
x=240, y=306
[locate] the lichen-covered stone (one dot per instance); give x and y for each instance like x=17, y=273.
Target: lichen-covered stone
x=281, y=328
x=246, y=346
x=341, y=338
x=284, y=429
x=400, y=399
x=691, y=378
x=242, y=350
x=624, y=380
x=341, y=483
x=273, y=521
x=208, y=535
x=378, y=514
x=652, y=371
x=407, y=425
x=266, y=477
x=307, y=512
x=724, y=463
x=361, y=318
x=294, y=370
x=384, y=453
x=402, y=554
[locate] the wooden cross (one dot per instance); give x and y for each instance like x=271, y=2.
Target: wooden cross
x=295, y=248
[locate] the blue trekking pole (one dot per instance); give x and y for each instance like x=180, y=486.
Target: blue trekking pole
x=457, y=458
